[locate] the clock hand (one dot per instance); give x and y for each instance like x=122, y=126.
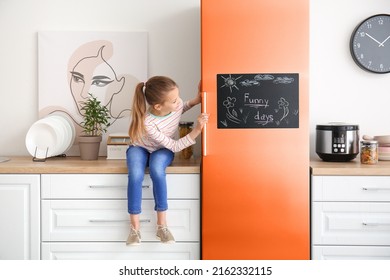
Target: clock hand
x=374, y=39
x=382, y=44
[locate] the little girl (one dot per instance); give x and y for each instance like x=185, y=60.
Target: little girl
x=151, y=132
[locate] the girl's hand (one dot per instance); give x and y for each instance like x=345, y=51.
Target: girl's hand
x=200, y=90
x=203, y=118
x=198, y=98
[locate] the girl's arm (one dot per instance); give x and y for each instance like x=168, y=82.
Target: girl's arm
x=159, y=139
x=196, y=100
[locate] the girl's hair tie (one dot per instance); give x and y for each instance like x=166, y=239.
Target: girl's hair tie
x=144, y=87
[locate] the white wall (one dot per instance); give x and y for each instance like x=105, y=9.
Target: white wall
x=339, y=89
x=174, y=49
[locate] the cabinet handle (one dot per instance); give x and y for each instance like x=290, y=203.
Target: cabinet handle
x=114, y=187
x=204, y=132
x=108, y=221
x=106, y=187
x=375, y=224
x=375, y=189
x=116, y=220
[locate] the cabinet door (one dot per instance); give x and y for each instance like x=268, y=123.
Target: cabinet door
x=19, y=216
x=351, y=223
x=119, y=251
x=108, y=220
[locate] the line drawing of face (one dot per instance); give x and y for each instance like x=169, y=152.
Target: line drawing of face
x=94, y=75
x=82, y=65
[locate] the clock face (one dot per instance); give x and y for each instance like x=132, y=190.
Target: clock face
x=370, y=44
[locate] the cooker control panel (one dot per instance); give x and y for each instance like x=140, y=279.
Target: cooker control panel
x=338, y=142
x=338, y=148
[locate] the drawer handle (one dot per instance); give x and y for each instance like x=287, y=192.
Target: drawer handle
x=108, y=221
x=375, y=224
x=117, y=220
x=106, y=187
x=376, y=189
x=114, y=187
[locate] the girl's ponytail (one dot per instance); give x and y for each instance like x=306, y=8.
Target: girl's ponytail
x=137, y=126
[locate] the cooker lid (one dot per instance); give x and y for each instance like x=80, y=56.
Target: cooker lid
x=337, y=126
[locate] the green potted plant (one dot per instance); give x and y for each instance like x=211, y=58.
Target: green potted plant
x=96, y=120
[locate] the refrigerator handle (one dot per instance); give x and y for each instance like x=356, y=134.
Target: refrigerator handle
x=204, y=133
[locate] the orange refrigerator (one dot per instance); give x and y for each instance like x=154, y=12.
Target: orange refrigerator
x=255, y=148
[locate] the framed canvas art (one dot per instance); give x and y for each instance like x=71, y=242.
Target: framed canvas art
x=107, y=65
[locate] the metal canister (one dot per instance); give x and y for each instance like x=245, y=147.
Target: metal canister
x=369, y=151
x=184, y=129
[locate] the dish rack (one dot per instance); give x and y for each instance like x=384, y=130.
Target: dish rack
x=37, y=159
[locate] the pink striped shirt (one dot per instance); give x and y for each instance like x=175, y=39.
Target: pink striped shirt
x=161, y=130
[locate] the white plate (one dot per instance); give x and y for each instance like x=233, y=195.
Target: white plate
x=383, y=157
x=70, y=132
x=41, y=140
x=59, y=129
x=61, y=124
x=50, y=136
x=383, y=140
x=385, y=150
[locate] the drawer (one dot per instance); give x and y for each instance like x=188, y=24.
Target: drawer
x=119, y=251
x=114, y=186
x=350, y=253
x=350, y=223
x=108, y=220
x=350, y=188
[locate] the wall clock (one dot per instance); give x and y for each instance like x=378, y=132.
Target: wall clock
x=370, y=44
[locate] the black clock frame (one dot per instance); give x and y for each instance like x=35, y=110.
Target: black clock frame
x=351, y=43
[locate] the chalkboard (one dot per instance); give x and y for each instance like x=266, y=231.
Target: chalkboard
x=258, y=100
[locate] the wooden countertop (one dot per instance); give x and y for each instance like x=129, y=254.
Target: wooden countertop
x=351, y=168
x=64, y=165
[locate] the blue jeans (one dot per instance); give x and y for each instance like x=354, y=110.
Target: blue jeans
x=138, y=158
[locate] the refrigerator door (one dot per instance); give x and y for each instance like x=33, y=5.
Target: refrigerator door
x=255, y=181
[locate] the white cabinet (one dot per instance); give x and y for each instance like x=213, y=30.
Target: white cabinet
x=84, y=216
x=19, y=217
x=350, y=217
